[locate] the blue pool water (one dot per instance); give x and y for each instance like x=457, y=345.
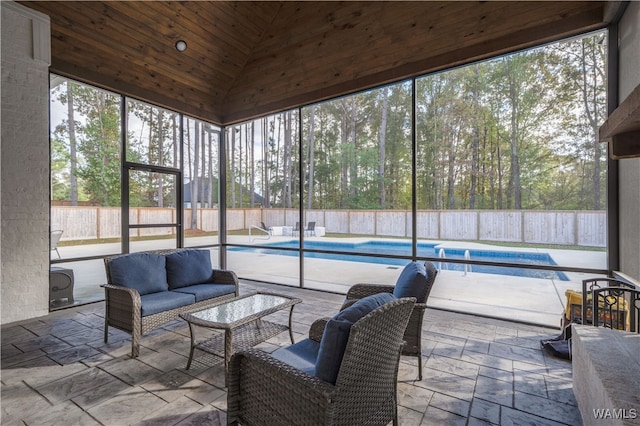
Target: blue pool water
x=424, y=250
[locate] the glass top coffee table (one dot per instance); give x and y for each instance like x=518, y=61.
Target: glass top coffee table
x=241, y=320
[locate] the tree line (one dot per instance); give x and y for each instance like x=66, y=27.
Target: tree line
x=516, y=132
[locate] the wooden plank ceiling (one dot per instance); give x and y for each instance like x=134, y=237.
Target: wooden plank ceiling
x=246, y=59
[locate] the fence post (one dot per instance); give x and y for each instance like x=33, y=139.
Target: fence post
x=575, y=228
x=324, y=220
x=98, y=223
x=375, y=223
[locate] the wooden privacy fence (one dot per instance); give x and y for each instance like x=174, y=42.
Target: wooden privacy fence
x=575, y=228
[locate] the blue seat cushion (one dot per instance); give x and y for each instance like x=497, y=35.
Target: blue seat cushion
x=336, y=335
x=412, y=282
x=206, y=291
x=188, y=267
x=164, y=301
x=144, y=272
x=301, y=355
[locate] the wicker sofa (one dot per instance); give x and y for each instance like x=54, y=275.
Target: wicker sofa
x=345, y=373
x=148, y=289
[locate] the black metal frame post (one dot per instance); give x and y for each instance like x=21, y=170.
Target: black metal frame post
x=222, y=198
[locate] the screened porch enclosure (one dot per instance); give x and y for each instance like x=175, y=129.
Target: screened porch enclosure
x=492, y=171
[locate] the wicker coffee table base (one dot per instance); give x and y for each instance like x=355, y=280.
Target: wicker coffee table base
x=242, y=321
x=233, y=340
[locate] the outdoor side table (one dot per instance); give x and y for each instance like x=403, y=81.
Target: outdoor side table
x=242, y=320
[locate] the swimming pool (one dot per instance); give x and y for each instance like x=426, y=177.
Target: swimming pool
x=424, y=250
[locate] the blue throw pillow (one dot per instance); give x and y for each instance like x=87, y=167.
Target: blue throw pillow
x=189, y=267
x=336, y=334
x=144, y=272
x=412, y=282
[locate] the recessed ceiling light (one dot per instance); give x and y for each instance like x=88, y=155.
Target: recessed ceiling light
x=181, y=45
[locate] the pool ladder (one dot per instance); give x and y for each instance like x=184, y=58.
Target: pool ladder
x=442, y=255
x=467, y=267
x=467, y=256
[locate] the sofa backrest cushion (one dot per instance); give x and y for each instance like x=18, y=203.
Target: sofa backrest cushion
x=144, y=272
x=189, y=267
x=412, y=282
x=336, y=335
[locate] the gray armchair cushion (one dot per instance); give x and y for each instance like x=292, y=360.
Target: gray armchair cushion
x=412, y=282
x=336, y=335
x=301, y=355
x=188, y=267
x=144, y=272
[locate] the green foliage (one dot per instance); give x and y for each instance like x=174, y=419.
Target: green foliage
x=510, y=133
x=97, y=130
x=60, y=188
x=516, y=132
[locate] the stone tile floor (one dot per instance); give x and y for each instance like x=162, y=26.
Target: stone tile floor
x=477, y=371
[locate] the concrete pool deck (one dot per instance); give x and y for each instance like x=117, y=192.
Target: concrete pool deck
x=529, y=300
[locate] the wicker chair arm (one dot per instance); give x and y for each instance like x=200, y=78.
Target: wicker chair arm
x=317, y=329
x=419, y=306
x=358, y=291
x=123, y=311
x=118, y=289
x=223, y=276
x=274, y=387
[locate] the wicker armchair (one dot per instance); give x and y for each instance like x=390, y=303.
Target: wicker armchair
x=265, y=391
x=413, y=333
